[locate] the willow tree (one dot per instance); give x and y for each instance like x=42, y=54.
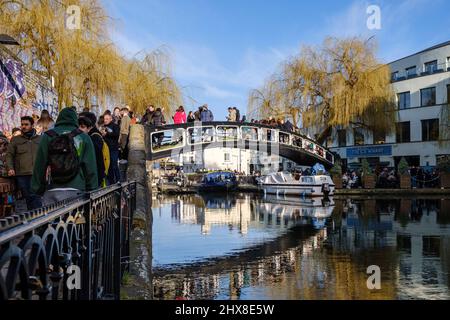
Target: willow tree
x=54, y=50
x=340, y=83
x=149, y=81
x=84, y=62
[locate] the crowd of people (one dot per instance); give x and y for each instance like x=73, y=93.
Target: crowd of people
x=390, y=179
x=55, y=160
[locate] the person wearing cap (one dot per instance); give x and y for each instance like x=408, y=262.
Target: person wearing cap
x=86, y=122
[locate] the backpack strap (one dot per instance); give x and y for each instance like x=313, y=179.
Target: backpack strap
x=51, y=133
x=75, y=133
x=97, y=134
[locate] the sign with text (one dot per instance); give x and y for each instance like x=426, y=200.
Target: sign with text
x=372, y=151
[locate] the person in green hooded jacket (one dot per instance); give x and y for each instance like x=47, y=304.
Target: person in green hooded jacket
x=85, y=180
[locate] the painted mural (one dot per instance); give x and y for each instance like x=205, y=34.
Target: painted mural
x=22, y=94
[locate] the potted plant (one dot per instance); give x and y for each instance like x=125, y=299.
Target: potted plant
x=336, y=174
x=444, y=171
x=368, y=178
x=405, y=178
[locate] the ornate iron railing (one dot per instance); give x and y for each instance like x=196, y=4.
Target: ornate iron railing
x=170, y=140
x=75, y=249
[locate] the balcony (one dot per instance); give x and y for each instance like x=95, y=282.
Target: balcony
x=420, y=72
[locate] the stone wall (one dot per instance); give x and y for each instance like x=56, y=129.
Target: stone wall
x=22, y=92
x=139, y=282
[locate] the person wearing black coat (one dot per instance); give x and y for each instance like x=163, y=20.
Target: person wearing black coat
x=87, y=122
x=111, y=133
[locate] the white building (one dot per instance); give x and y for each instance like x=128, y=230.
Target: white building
x=235, y=159
x=422, y=85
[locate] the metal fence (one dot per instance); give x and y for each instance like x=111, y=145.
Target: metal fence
x=75, y=249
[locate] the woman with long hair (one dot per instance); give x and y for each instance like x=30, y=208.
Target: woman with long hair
x=45, y=122
x=180, y=116
x=190, y=117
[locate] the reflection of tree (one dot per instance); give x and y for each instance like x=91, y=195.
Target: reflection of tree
x=330, y=263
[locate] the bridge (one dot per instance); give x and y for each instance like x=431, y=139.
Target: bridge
x=172, y=140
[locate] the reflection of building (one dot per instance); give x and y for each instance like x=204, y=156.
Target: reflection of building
x=409, y=240
x=239, y=213
x=235, y=159
x=422, y=85
x=424, y=243
x=229, y=283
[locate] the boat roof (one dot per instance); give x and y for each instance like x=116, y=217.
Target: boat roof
x=220, y=173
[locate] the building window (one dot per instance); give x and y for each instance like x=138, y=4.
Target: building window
x=226, y=157
x=342, y=138
x=394, y=76
x=448, y=63
x=428, y=97
x=403, y=132
x=404, y=100
x=430, y=67
x=379, y=137
x=448, y=93
x=430, y=130
x=358, y=136
x=411, y=72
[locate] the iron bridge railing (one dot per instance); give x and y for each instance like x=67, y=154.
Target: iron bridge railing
x=189, y=135
x=73, y=250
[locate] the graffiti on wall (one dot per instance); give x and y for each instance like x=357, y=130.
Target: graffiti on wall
x=19, y=97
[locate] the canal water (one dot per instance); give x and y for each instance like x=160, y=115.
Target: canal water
x=246, y=246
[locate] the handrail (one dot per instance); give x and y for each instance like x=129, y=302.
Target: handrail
x=317, y=149
x=90, y=233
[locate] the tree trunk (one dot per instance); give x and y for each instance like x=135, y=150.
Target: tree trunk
x=323, y=136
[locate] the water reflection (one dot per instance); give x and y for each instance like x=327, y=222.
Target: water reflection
x=246, y=247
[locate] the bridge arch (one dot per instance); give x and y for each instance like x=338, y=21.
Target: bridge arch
x=171, y=140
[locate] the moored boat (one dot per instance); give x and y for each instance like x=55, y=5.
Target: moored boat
x=220, y=181
x=284, y=183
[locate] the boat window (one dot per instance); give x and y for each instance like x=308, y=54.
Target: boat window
x=307, y=179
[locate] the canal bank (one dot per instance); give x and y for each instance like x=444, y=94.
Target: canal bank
x=137, y=283
x=246, y=187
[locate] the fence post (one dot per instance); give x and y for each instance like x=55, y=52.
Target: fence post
x=117, y=262
x=86, y=289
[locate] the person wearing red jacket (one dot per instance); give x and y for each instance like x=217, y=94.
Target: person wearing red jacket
x=180, y=116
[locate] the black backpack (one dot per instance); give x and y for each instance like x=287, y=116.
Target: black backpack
x=62, y=156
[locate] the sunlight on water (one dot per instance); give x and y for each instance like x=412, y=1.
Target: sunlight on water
x=249, y=247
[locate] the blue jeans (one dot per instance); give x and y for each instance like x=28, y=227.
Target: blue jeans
x=24, y=185
x=113, y=172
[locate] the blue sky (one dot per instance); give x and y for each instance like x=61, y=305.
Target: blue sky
x=220, y=49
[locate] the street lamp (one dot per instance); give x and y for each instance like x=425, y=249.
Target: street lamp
x=8, y=40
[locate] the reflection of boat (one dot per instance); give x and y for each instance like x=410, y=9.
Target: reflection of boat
x=286, y=184
x=315, y=208
x=218, y=201
x=218, y=181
